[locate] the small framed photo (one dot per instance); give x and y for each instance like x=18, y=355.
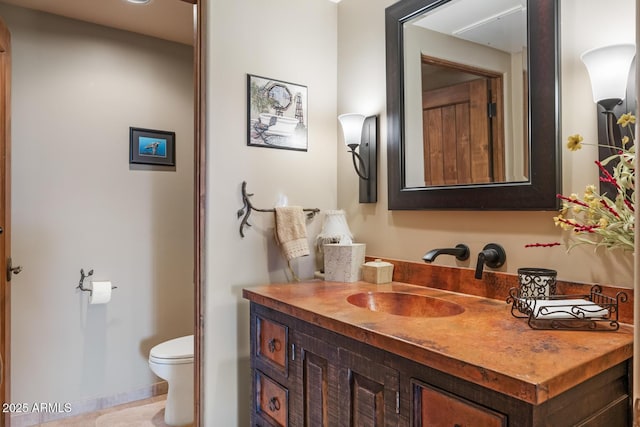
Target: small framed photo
x=152, y=147
x=276, y=114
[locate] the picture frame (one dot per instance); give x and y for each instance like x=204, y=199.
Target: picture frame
x=276, y=114
x=152, y=147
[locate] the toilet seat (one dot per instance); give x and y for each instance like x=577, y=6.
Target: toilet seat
x=177, y=351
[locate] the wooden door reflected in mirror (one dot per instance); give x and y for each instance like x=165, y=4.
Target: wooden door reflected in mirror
x=462, y=120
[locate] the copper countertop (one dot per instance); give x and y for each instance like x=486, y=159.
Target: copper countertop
x=484, y=345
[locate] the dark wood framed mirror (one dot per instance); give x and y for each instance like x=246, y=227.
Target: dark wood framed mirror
x=537, y=186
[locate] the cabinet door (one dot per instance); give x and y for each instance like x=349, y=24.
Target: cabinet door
x=368, y=392
x=316, y=372
x=437, y=408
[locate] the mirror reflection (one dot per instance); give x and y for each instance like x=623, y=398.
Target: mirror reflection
x=465, y=94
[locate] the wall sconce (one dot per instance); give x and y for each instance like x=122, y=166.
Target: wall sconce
x=360, y=133
x=608, y=69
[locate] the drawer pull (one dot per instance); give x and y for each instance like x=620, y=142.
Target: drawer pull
x=274, y=345
x=274, y=404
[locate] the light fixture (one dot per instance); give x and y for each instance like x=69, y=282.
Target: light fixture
x=360, y=133
x=139, y=1
x=608, y=69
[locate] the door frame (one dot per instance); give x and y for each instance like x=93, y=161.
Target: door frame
x=5, y=217
x=199, y=224
x=200, y=167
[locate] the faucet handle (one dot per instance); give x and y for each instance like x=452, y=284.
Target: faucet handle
x=493, y=255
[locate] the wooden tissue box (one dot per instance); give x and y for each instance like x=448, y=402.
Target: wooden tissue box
x=377, y=272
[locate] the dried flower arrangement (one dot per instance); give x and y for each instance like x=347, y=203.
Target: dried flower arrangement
x=604, y=219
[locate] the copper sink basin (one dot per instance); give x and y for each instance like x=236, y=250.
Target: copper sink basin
x=402, y=304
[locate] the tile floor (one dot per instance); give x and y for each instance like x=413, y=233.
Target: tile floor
x=143, y=413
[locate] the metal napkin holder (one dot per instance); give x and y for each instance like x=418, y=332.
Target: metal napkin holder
x=574, y=315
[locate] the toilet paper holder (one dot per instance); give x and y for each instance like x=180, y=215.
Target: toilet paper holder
x=82, y=277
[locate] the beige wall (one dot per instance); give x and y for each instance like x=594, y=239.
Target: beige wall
x=408, y=235
x=77, y=88
x=290, y=40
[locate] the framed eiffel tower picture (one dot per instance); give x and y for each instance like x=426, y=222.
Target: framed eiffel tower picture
x=276, y=114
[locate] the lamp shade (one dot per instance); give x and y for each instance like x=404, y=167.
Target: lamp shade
x=351, y=127
x=335, y=226
x=608, y=69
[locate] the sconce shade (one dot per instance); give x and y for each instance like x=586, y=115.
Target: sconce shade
x=361, y=137
x=352, y=128
x=608, y=69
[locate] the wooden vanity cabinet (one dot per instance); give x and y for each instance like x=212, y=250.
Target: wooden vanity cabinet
x=338, y=387
x=322, y=384
x=327, y=379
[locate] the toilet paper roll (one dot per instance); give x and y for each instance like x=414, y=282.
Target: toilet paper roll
x=100, y=293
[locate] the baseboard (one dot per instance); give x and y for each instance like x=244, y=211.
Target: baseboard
x=53, y=412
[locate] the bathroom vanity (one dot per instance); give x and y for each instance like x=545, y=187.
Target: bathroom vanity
x=319, y=358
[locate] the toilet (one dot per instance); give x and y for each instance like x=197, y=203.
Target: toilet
x=173, y=362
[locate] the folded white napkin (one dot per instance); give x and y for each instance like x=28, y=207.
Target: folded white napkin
x=566, y=309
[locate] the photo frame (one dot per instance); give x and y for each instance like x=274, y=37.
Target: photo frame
x=276, y=114
x=152, y=147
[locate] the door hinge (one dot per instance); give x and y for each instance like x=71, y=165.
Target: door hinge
x=492, y=109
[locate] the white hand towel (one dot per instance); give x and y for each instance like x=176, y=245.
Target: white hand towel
x=566, y=309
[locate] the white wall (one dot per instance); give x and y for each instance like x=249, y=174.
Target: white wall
x=408, y=235
x=77, y=203
x=290, y=40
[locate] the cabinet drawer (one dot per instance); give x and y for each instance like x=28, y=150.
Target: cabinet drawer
x=437, y=408
x=272, y=342
x=272, y=400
